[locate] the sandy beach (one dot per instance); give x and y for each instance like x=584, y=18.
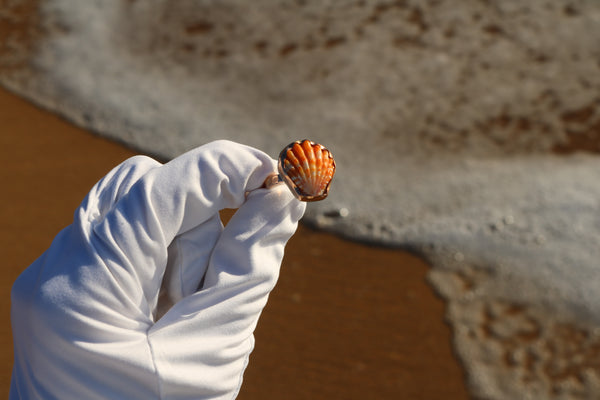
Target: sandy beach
x=346, y=320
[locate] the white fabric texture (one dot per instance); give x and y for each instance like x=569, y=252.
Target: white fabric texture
x=84, y=313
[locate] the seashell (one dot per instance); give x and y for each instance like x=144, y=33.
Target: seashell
x=306, y=168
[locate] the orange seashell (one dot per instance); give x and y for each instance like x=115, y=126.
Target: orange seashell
x=307, y=168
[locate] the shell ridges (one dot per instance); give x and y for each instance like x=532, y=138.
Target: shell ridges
x=307, y=168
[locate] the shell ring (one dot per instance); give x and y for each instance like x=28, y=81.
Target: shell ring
x=306, y=168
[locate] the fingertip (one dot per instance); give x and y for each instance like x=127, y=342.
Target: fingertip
x=277, y=199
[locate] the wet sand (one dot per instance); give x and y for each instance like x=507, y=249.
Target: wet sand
x=346, y=320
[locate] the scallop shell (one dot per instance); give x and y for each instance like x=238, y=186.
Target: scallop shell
x=307, y=168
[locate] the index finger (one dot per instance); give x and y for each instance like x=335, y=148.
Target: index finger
x=133, y=237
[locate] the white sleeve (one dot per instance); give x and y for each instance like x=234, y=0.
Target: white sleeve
x=82, y=314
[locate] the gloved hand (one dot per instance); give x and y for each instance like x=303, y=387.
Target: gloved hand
x=84, y=314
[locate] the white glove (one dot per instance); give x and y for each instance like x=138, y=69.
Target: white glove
x=83, y=314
